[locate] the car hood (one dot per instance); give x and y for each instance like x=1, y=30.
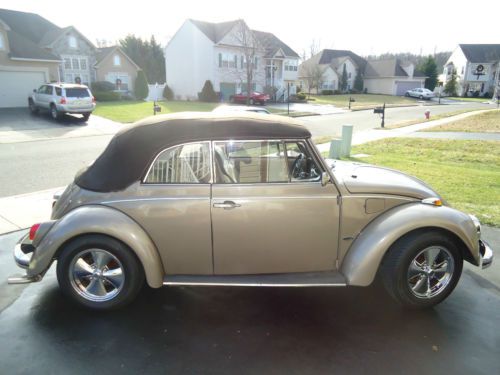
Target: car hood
x=365, y=178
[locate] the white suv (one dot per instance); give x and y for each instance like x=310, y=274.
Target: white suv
x=61, y=98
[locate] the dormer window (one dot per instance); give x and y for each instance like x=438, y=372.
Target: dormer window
x=72, y=42
x=116, y=60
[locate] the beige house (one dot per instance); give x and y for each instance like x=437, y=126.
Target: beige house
x=114, y=65
x=34, y=51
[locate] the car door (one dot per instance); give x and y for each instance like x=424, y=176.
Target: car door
x=172, y=204
x=39, y=96
x=270, y=212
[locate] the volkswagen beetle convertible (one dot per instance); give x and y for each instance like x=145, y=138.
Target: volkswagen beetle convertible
x=244, y=200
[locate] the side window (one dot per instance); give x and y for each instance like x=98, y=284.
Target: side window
x=185, y=164
x=301, y=164
x=249, y=162
x=41, y=90
x=58, y=91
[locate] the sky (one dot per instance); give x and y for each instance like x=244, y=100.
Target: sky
x=365, y=27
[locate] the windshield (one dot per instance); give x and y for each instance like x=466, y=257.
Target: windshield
x=77, y=92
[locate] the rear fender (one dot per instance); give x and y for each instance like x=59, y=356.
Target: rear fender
x=364, y=256
x=94, y=219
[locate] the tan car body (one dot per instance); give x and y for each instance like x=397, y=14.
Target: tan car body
x=307, y=227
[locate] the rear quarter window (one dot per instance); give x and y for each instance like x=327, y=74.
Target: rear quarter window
x=58, y=91
x=77, y=93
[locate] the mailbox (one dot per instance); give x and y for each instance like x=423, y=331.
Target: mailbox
x=379, y=110
x=157, y=108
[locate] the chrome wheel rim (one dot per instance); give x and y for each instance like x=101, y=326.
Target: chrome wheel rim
x=430, y=272
x=96, y=275
x=53, y=112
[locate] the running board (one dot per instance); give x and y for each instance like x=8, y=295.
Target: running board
x=305, y=279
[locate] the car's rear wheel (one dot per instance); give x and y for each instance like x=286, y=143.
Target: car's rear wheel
x=420, y=97
x=85, y=116
x=54, y=113
x=251, y=101
x=99, y=272
x=33, y=108
x=422, y=269
x=407, y=95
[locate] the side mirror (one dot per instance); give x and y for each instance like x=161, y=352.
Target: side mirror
x=325, y=178
x=34, y=90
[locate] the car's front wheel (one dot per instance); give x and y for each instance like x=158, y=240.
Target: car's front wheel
x=33, y=108
x=407, y=95
x=99, y=272
x=422, y=269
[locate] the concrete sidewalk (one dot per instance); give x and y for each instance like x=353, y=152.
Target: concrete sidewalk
x=99, y=126
x=378, y=134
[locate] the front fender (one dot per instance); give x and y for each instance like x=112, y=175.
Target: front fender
x=363, y=258
x=102, y=220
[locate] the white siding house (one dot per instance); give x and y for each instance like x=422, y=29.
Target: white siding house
x=477, y=67
x=202, y=51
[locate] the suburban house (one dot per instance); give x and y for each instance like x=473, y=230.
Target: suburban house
x=114, y=65
x=331, y=63
x=201, y=51
x=34, y=51
x=477, y=67
x=391, y=77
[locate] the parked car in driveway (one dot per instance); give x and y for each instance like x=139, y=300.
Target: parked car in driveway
x=255, y=98
x=244, y=200
x=240, y=108
x=61, y=98
x=420, y=93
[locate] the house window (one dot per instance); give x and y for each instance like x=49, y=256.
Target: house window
x=256, y=63
x=2, y=43
x=242, y=62
x=349, y=75
x=72, y=42
x=116, y=60
x=227, y=60
x=67, y=63
x=83, y=64
x=463, y=69
x=76, y=65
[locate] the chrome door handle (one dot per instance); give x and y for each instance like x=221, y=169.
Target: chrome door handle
x=227, y=205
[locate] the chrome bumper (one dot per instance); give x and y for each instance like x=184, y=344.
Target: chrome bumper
x=23, y=251
x=486, y=254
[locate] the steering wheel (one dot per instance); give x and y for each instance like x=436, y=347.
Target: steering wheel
x=297, y=166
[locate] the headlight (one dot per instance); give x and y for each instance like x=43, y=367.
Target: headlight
x=477, y=223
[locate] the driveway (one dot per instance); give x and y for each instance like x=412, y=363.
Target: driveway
x=249, y=330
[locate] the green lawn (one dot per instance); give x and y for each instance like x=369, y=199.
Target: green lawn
x=130, y=111
x=487, y=122
x=465, y=173
x=363, y=100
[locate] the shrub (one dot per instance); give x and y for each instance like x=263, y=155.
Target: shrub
x=168, y=93
x=298, y=89
x=102, y=86
x=208, y=93
x=475, y=94
x=326, y=92
x=106, y=96
x=487, y=95
x=141, y=86
x=301, y=96
x=336, y=92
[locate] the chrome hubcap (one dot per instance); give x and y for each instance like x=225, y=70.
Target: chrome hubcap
x=430, y=272
x=96, y=275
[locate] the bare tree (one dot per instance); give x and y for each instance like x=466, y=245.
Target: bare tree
x=250, y=48
x=314, y=75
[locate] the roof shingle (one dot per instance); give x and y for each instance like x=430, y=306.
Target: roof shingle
x=481, y=53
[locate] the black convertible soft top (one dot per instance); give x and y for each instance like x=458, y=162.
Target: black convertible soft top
x=132, y=150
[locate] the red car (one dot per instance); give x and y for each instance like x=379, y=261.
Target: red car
x=256, y=97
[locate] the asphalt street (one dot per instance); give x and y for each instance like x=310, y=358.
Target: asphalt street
x=32, y=166
x=248, y=330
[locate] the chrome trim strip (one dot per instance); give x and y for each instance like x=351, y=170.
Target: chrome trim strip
x=157, y=199
x=487, y=257
x=194, y=283
x=238, y=198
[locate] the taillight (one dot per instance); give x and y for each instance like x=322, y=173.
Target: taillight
x=33, y=231
x=93, y=99
x=63, y=100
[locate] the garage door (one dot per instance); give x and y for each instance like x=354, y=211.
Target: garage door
x=403, y=87
x=227, y=89
x=16, y=86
